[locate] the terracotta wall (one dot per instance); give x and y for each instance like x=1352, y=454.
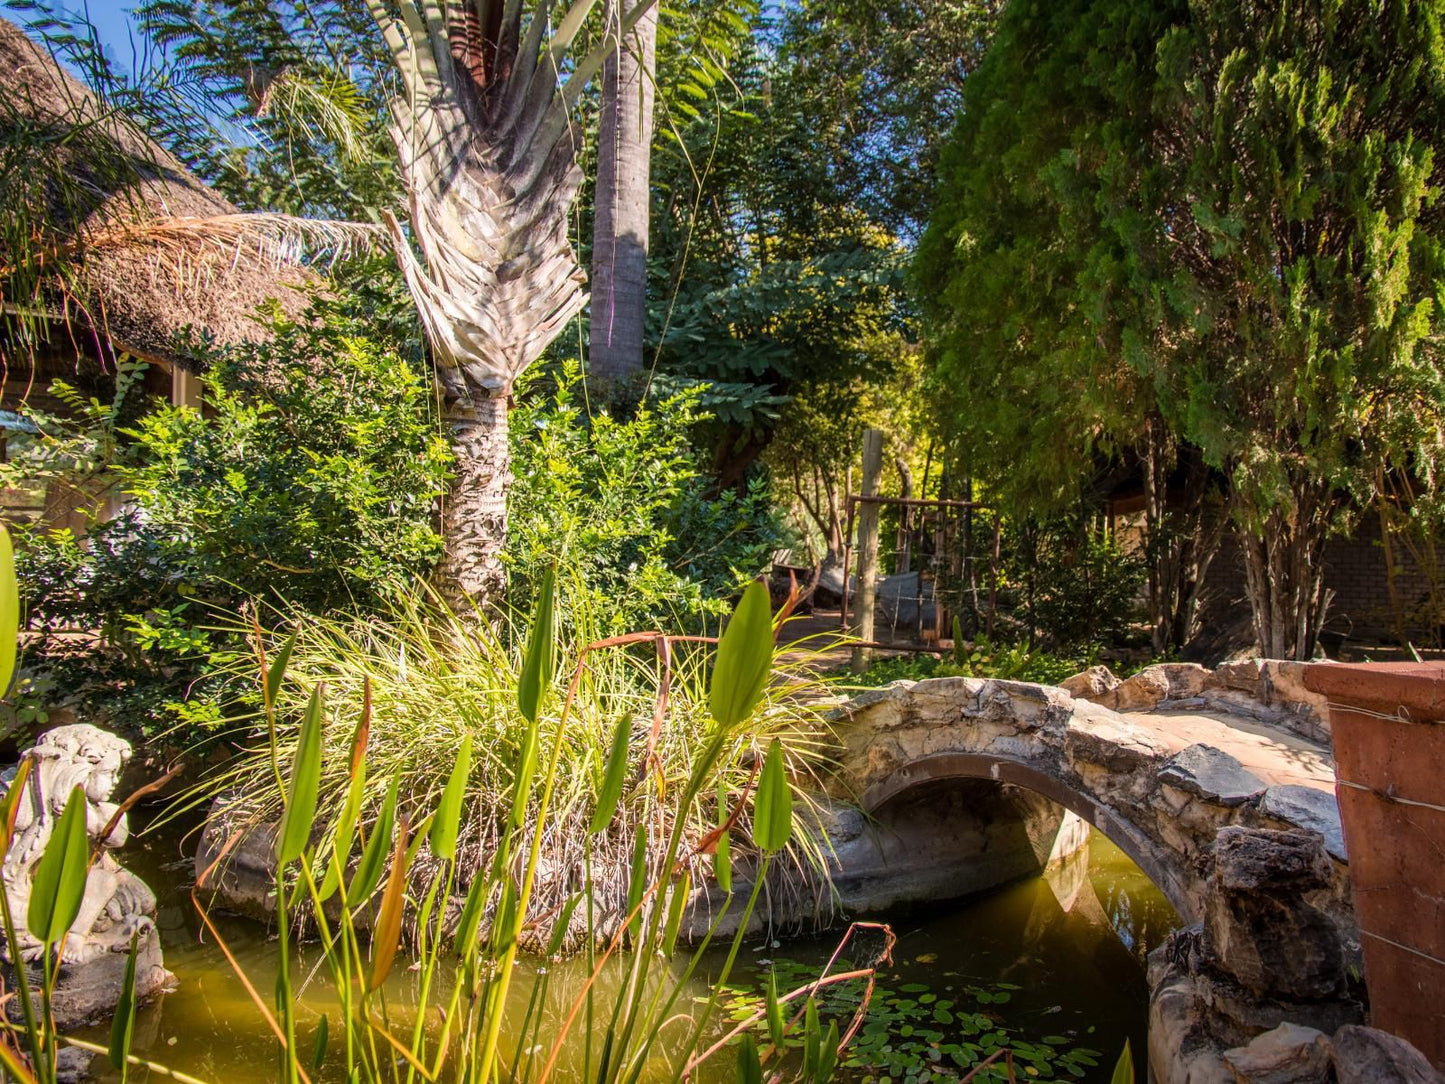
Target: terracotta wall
x=1387, y=726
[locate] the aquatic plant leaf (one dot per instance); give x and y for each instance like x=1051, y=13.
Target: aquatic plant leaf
x=346, y=823
x=750, y=1069
x=1124, y=1068
x=373, y=857
x=59, y=884
x=637, y=885
x=744, y=656
x=387, y=935
x=470, y=922
x=828, y=1054
x=562, y=925
x=300, y=815
x=722, y=865
x=446, y=822
x=773, y=803
x=522, y=777
x=318, y=1048
x=774, y=1011
x=122, y=1026
x=610, y=793
x=539, y=662
x=9, y=612
x=812, y=1040
x=10, y=804
x=681, y=892
x=276, y=672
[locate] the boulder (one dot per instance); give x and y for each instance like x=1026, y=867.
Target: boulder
x=1309, y=808
x=1212, y=774
x=1369, y=1056
x=1094, y=684
x=1143, y=691
x=1259, y=927
x=1186, y=679
x=1288, y=1054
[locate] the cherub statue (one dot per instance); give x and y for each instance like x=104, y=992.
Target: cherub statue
x=117, y=903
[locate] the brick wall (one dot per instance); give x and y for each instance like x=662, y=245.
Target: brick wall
x=1355, y=571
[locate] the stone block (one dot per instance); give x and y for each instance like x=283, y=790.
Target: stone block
x=1143, y=691
x=1288, y=1054
x=1369, y=1056
x=1094, y=683
x=1212, y=774
x=1258, y=926
x=1309, y=808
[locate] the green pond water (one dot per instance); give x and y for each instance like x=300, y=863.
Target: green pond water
x=1053, y=966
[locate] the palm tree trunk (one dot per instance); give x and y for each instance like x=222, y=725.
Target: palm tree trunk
x=474, y=516
x=621, y=222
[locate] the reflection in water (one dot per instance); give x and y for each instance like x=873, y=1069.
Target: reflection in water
x=1073, y=942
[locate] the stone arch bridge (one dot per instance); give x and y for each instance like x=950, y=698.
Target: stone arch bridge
x=1137, y=777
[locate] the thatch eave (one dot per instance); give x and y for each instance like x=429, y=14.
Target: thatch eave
x=137, y=298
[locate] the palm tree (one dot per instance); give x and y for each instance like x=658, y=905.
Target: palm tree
x=624, y=204
x=488, y=153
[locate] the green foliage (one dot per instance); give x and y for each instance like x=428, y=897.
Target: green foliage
x=978, y=658
x=1072, y=584
x=308, y=480
x=912, y=1030
x=626, y=513
x=1189, y=213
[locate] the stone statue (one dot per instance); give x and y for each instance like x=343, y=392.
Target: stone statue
x=117, y=904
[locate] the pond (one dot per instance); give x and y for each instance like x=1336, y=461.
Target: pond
x=1052, y=965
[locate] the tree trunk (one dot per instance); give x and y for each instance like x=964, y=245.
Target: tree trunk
x=1284, y=571
x=474, y=515
x=623, y=205
x=487, y=148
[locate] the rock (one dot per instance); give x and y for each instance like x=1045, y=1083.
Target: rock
x=1244, y=675
x=1095, y=683
x=1288, y=1054
x=116, y=905
x=1308, y=808
x=1212, y=774
x=72, y=1065
x=1186, y=679
x=1369, y=1056
x=1259, y=927
x=238, y=874
x=1143, y=691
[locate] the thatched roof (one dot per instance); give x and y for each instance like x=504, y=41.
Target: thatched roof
x=139, y=286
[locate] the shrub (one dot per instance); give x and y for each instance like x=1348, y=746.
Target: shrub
x=624, y=507
x=309, y=477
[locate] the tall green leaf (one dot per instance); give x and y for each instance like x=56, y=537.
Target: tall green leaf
x=318, y=1048
x=773, y=804
x=59, y=884
x=812, y=1040
x=447, y=821
x=1124, y=1067
x=523, y=774
x=9, y=612
x=539, y=662
x=681, y=892
x=373, y=857
x=750, y=1068
x=610, y=792
x=744, y=656
x=276, y=672
x=828, y=1054
x=300, y=815
x=122, y=1025
x=722, y=862
x=637, y=885
x=350, y=813
x=774, y=1010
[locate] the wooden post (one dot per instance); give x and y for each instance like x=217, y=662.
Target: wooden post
x=868, y=545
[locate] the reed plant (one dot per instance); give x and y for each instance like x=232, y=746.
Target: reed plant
x=353, y=874
x=678, y=788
